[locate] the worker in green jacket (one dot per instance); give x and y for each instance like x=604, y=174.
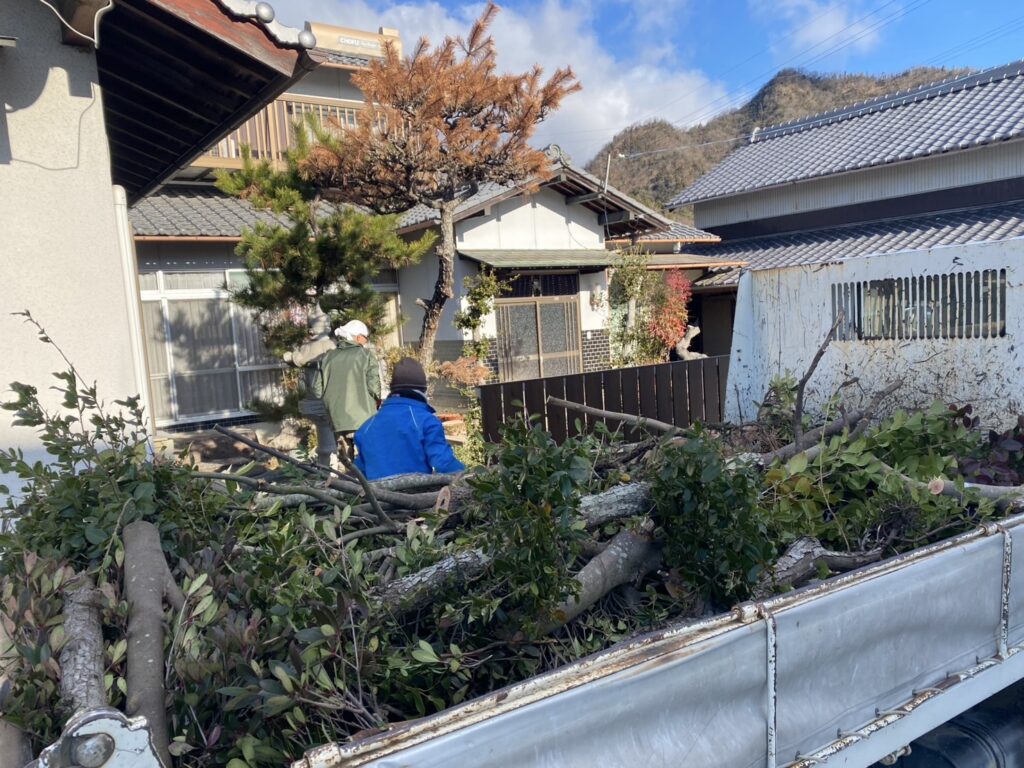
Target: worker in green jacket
x=347, y=379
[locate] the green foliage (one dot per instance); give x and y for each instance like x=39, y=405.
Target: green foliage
x=481, y=291
x=530, y=496
x=327, y=257
x=633, y=296
x=849, y=499
x=714, y=531
x=775, y=412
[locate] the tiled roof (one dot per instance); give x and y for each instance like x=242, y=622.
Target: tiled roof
x=1001, y=222
x=421, y=213
x=678, y=232
x=195, y=212
x=346, y=59
x=951, y=115
x=488, y=191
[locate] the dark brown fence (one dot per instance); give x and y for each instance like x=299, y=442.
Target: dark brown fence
x=677, y=393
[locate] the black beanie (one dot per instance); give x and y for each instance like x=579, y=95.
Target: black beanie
x=408, y=374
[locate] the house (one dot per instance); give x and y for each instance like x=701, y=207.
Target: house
x=205, y=355
x=87, y=130
x=551, y=246
x=206, y=361
x=711, y=311
x=900, y=222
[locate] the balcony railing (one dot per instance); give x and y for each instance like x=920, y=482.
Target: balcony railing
x=271, y=132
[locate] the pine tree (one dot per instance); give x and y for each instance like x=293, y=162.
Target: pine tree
x=437, y=126
x=327, y=257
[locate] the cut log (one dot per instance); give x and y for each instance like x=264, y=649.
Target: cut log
x=616, y=503
x=802, y=560
x=415, y=591
x=628, y=557
x=148, y=582
x=81, y=658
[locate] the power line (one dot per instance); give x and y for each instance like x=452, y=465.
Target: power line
x=703, y=113
x=764, y=50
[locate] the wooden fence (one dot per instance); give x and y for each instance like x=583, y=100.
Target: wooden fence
x=677, y=393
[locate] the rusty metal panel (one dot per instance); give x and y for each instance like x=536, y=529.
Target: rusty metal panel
x=708, y=710
x=1016, y=589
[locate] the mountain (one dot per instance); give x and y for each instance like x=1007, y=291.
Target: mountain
x=791, y=94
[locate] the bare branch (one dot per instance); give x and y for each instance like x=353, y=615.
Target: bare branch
x=637, y=421
x=798, y=408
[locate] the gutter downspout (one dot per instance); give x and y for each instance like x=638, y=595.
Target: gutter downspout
x=129, y=269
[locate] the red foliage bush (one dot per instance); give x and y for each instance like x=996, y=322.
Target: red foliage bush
x=668, y=323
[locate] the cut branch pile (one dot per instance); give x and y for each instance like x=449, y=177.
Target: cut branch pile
x=315, y=603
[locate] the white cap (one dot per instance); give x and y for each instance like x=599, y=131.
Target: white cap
x=353, y=328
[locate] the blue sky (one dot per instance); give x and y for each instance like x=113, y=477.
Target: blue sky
x=686, y=60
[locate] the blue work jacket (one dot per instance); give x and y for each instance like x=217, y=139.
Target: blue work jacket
x=403, y=436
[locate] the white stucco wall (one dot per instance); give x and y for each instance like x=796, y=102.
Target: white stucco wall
x=417, y=282
x=783, y=315
x=542, y=220
x=594, y=301
x=59, y=253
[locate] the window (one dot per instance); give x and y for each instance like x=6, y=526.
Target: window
x=961, y=305
x=541, y=284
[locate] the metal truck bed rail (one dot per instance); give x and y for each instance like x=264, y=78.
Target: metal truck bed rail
x=839, y=674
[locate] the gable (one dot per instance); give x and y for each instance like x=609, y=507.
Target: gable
x=543, y=220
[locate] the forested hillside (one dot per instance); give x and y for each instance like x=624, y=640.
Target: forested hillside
x=791, y=94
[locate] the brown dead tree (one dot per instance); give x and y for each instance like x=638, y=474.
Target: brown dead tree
x=438, y=125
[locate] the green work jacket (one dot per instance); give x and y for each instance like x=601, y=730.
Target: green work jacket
x=347, y=379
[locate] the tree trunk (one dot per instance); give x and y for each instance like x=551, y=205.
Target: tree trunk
x=444, y=288
x=147, y=582
x=81, y=658
x=627, y=557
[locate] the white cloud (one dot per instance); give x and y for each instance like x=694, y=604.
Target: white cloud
x=813, y=30
x=552, y=33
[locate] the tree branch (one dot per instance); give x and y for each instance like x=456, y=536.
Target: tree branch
x=311, y=467
x=637, y=421
x=371, y=496
x=81, y=658
x=802, y=559
x=798, y=407
x=629, y=556
x=416, y=590
x=264, y=487
x=148, y=582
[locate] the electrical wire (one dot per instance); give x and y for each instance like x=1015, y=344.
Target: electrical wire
x=96, y=22
x=715, y=106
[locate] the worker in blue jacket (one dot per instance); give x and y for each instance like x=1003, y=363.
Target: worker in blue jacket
x=404, y=435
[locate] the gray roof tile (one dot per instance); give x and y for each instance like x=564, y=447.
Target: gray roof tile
x=1000, y=222
x=948, y=116
x=678, y=232
x=192, y=211
x=421, y=214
